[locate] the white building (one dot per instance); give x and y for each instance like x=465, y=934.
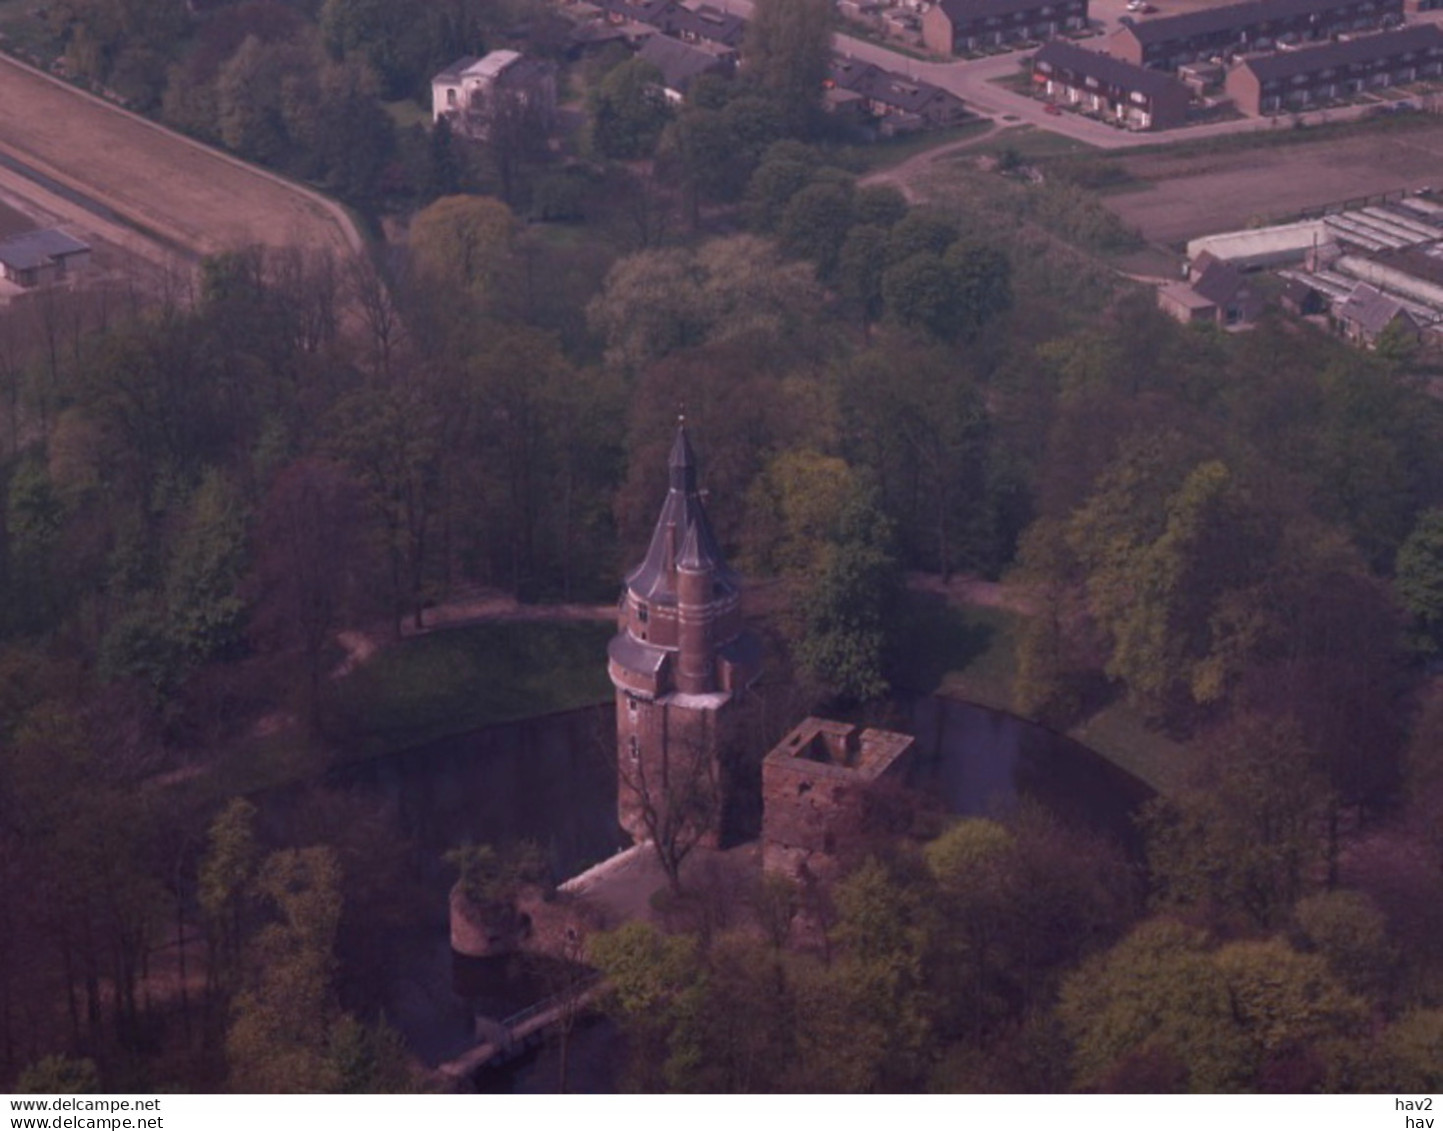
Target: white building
x=469, y=91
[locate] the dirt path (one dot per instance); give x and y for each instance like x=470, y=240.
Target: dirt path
x=969, y=589
x=905, y=175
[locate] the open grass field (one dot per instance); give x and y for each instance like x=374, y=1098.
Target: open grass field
x=1196, y=190
x=187, y=194
x=425, y=687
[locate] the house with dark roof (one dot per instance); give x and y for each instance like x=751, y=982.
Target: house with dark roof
x=1295, y=80
x=681, y=64
x=1367, y=313
x=47, y=256
x=1123, y=92
x=899, y=101
x=951, y=27
x=1255, y=25
x=706, y=24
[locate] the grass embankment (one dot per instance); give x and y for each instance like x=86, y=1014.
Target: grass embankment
x=971, y=653
x=415, y=690
x=426, y=687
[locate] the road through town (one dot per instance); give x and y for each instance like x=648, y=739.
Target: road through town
x=975, y=82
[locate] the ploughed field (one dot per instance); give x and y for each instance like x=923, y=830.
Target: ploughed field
x=1192, y=194
x=190, y=195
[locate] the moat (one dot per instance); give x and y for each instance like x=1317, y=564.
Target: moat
x=551, y=780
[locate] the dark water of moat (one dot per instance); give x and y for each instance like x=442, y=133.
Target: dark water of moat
x=551, y=780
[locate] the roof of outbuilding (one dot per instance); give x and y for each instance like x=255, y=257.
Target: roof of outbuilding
x=1370, y=309
x=678, y=62
x=35, y=249
x=1107, y=68
x=1364, y=49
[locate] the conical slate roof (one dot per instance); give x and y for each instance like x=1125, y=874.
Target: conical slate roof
x=683, y=534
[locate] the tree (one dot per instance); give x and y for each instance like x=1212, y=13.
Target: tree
x=311, y=569
x=628, y=111
x=1247, y=834
x=785, y=169
x=390, y=35
x=1419, y=581
x=279, y=1039
x=654, y=987
x=224, y=883
x=1347, y=929
x=849, y=612
x=465, y=243
x=205, y=613
x=815, y=224
x=59, y=1075
x=787, y=51
x=658, y=302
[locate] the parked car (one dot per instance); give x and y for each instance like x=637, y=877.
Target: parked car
x=1052, y=108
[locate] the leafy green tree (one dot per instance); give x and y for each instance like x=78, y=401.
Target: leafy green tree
x=1157, y=992
x=1246, y=835
x=656, y=988
x=1347, y=929
x=466, y=243
x=881, y=206
x=59, y=1075
x=628, y=111
x=224, y=882
x=1419, y=581
x=205, y=613
x=848, y=613
x=860, y=265
x=885, y=927
x=390, y=35
x=785, y=169
x=815, y=224
x=279, y=1038
x=788, y=49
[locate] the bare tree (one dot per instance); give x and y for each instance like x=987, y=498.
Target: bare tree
x=677, y=797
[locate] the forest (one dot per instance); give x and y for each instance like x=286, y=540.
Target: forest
x=1236, y=538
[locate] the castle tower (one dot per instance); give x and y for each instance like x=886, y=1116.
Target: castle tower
x=679, y=657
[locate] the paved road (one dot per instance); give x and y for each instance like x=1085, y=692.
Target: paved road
x=973, y=81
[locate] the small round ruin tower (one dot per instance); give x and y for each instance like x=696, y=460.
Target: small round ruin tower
x=679, y=658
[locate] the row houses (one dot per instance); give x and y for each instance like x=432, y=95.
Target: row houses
x=690, y=25
x=951, y=27
x=900, y=102
x=1116, y=90
x=1256, y=25
x=1294, y=80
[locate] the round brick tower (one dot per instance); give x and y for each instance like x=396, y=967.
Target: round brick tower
x=679, y=657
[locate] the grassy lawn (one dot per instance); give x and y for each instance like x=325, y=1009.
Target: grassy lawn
x=406, y=113
x=887, y=152
x=1032, y=144
x=1285, y=134
x=971, y=653
x=1119, y=734
x=446, y=682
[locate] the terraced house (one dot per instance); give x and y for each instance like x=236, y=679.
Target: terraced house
x=1133, y=96
x=1295, y=80
x=951, y=27
x=1257, y=25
